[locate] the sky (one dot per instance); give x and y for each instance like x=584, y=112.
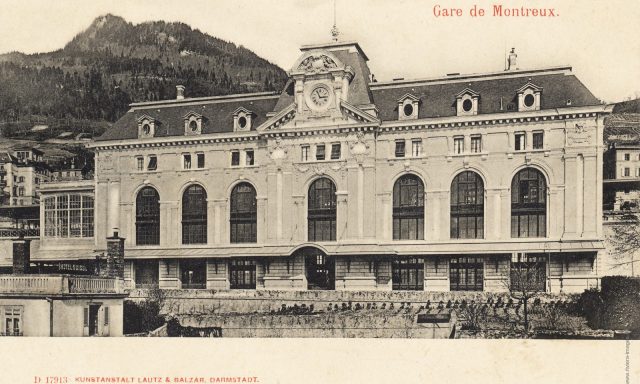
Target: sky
x=402, y=38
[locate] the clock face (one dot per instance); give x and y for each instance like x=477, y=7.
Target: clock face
x=320, y=96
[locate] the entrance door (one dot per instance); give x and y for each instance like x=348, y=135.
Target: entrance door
x=93, y=319
x=321, y=271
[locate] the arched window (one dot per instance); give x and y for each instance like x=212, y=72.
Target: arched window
x=321, y=214
x=467, y=206
x=243, y=216
x=194, y=215
x=529, y=204
x=148, y=217
x=408, y=208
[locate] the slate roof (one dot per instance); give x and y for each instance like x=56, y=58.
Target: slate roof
x=437, y=96
x=217, y=113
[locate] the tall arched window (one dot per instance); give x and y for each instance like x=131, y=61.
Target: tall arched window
x=243, y=215
x=408, y=208
x=467, y=206
x=321, y=214
x=529, y=204
x=194, y=215
x=148, y=217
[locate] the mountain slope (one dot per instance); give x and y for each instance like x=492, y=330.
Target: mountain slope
x=112, y=63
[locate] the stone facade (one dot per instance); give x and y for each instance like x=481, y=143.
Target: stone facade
x=333, y=122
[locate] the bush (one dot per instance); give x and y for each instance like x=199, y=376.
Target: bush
x=142, y=317
x=616, y=307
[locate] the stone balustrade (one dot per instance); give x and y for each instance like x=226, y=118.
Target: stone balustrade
x=59, y=285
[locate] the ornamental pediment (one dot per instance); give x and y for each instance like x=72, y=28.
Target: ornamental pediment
x=529, y=86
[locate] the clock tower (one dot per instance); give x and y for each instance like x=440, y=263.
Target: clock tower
x=321, y=83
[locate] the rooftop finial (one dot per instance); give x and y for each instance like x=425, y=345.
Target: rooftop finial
x=334, y=30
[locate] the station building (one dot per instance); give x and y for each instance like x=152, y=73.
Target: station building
x=340, y=182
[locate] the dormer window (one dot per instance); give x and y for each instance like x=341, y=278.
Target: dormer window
x=146, y=126
x=467, y=102
x=193, y=123
x=529, y=97
x=408, y=107
x=242, y=120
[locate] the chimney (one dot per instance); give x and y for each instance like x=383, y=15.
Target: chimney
x=511, y=61
x=21, y=255
x=115, y=256
x=179, y=92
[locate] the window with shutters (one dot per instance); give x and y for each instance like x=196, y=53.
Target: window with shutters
x=11, y=320
x=400, y=148
x=152, y=164
x=335, y=151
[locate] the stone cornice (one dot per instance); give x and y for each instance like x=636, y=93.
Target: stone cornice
x=558, y=114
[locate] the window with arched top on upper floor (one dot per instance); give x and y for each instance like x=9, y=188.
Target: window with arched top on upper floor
x=148, y=217
x=321, y=210
x=408, y=208
x=243, y=214
x=467, y=206
x=194, y=215
x=529, y=204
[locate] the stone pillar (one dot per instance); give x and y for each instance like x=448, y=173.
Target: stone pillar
x=342, y=212
x=115, y=256
x=492, y=214
x=261, y=219
x=221, y=235
x=168, y=225
x=21, y=255
x=113, y=207
x=360, y=201
x=300, y=216
x=570, y=200
x=384, y=230
x=505, y=213
x=279, y=198
x=211, y=213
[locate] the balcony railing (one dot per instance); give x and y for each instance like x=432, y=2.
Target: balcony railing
x=16, y=232
x=59, y=285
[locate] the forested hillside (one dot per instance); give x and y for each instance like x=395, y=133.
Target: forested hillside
x=90, y=82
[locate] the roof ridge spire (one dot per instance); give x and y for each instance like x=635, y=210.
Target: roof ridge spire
x=334, y=30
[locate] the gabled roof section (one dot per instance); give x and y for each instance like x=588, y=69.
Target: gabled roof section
x=529, y=85
x=192, y=114
x=218, y=111
x=467, y=91
x=356, y=113
x=144, y=117
x=408, y=96
x=242, y=109
x=284, y=116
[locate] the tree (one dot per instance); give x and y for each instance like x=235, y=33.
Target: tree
x=527, y=278
x=625, y=238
